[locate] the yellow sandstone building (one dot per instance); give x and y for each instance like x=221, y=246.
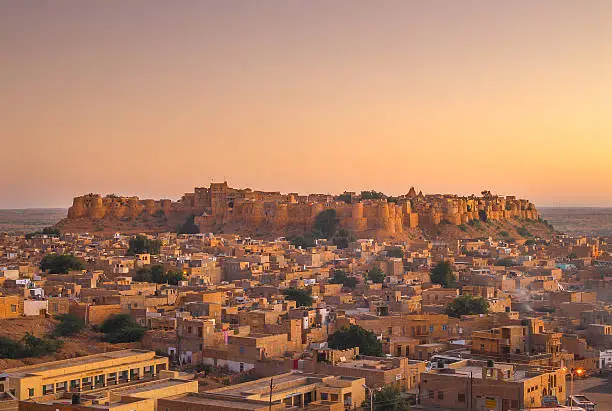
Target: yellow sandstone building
x=81, y=374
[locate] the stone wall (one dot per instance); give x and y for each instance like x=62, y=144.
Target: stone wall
x=221, y=207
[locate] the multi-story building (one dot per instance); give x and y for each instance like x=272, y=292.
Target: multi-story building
x=481, y=385
x=81, y=374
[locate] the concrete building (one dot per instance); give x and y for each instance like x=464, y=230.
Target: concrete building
x=288, y=390
x=81, y=374
x=481, y=385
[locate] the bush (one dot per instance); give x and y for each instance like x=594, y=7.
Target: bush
x=372, y=195
x=69, y=325
x=61, y=263
x=523, y=232
x=355, y=336
x=29, y=346
x=304, y=241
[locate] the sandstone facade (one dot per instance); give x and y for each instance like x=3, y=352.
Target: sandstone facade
x=221, y=207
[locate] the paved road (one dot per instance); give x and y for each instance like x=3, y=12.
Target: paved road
x=597, y=388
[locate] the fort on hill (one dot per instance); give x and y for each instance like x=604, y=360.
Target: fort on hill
x=220, y=208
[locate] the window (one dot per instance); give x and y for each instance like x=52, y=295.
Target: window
x=241, y=349
x=431, y=328
x=324, y=396
x=201, y=347
x=440, y=395
x=444, y=327
x=461, y=397
x=189, y=330
x=13, y=308
x=430, y=394
x=30, y=392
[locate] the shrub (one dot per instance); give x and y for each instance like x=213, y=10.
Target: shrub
x=376, y=275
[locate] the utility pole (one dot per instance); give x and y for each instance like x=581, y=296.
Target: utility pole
x=471, y=391
x=270, y=399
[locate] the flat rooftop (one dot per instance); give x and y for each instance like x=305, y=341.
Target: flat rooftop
x=204, y=398
x=75, y=362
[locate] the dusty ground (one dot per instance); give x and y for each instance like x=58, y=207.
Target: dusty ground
x=86, y=343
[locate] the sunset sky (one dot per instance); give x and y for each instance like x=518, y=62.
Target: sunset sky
x=152, y=98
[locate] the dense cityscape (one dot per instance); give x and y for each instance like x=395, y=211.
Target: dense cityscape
x=496, y=318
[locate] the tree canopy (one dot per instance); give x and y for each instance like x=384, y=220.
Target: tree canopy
x=372, y=195
x=389, y=398
x=143, y=245
x=343, y=238
x=466, y=305
x=121, y=328
x=442, y=274
x=28, y=346
x=69, y=324
x=355, y=336
x=327, y=222
x=157, y=274
x=376, y=275
x=302, y=298
x=189, y=226
x=340, y=277
x=395, y=252
x=61, y=263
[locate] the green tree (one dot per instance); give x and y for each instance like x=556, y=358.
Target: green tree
x=51, y=231
x=189, y=226
x=372, y=195
x=143, y=245
x=343, y=238
x=346, y=197
x=61, y=263
x=121, y=328
x=395, y=252
x=10, y=348
x=467, y=305
x=572, y=255
x=69, y=324
x=389, y=398
x=327, y=222
x=157, y=274
x=340, y=277
x=304, y=241
x=442, y=274
x=355, y=336
x=523, y=232
x=302, y=298
x=376, y=275
x=37, y=347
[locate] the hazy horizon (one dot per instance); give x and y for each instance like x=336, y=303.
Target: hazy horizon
x=153, y=98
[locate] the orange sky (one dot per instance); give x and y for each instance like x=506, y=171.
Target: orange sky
x=153, y=98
